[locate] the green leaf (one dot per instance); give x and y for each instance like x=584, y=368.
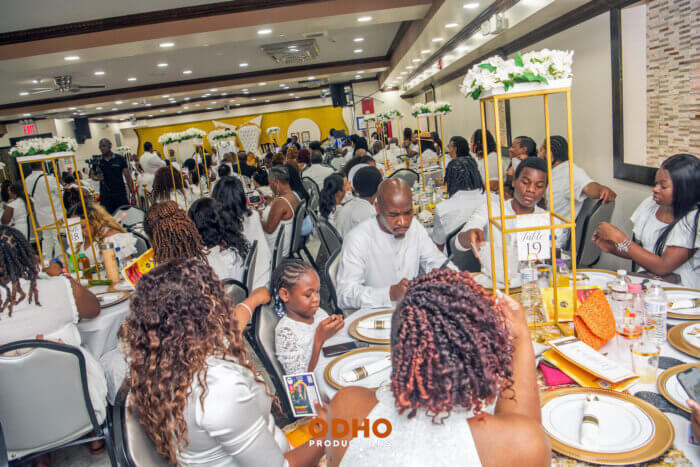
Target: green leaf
x=508, y=84
x=476, y=93
x=488, y=66
x=540, y=79
x=519, y=60
x=528, y=76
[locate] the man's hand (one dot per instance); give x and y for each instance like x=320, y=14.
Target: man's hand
x=607, y=195
x=397, y=291
x=472, y=238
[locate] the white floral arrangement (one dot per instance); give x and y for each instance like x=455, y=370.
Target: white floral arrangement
x=273, y=130
x=222, y=135
x=383, y=116
x=30, y=147
x=124, y=150
x=440, y=107
x=371, y=118
x=395, y=114
x=431, y=108
x=532, y=67
x=2, y=166
x=192, y=133
x=168, y=138
x=420, y=109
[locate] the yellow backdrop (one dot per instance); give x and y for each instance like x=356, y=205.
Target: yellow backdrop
x=326, y=117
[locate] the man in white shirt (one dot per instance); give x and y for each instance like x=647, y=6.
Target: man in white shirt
x=150, y=163
x=584, y=187
x=391, y=152
x=382, y=254
x=43, y=214
x=365, y=181
x=316, y=171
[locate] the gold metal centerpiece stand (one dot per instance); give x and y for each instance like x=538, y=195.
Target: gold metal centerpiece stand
x=441, y=157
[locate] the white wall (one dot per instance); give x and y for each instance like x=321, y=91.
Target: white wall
x=383, y=102
x=14, y=130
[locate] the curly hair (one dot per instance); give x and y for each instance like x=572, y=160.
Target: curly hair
x=450, y=346
x=332, y=184
x=180, y=316
x=173, y=235
x=292, y=152
x=17, y=261
x=163, y=183
x=100, y=221
x=217, y=227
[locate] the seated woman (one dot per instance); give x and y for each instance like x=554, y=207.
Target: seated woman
x=230, y=193
x=666, y=224
x=173, y=235
x=103, y=228
x=466, y=191
x=164, y=190
x=14, y=211
x=225, y=246
x=331, y=197
x=280, y=213
x=262, y=183
x=480, y=154
x=458, y=147
x=454, y=353
x=206, y=403
x=197, y=184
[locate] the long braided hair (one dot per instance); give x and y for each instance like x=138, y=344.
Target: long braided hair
x=17, y=261
x=463, y=174
x=286, y=276
x=450, y=346
x=173, y=234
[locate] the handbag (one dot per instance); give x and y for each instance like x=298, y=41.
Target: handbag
x=594, y=320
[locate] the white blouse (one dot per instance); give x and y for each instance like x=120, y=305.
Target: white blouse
x=452, y=213
x=294, y=342
x=19, y=216
x=252, y=230
x=227, y=264
x=647, y=229
x=235, y=427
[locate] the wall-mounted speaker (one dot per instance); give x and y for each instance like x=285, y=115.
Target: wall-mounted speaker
x=338, y=95
x=81, y=126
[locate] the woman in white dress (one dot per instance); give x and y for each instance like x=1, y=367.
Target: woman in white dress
x=454, y=353
x=230, y=193
x=332, y=196
x=206, y=404
x=280, y=213
x=14, y=211
x=666, y=224
x=164, y=190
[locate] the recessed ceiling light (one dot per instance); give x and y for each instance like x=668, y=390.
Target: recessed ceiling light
x=114, y=108
x=358, y=39
x=451, y=25
x=179, y=111
x=358, y=76
x=151, y=116
x=131, y=78
x=213, y=103
x=471, y=5
x=186, y=99
x=311, y=77
x=291, y=93
x=119, y=102
x=71, y=58
x=27, y=115
x=416, y=60
x=358, y=51
x=186, y=107
x=165, y=45
x=282, y=85
x=162, y=110
x=24, y=93
x=232, y=100
x=262, y=32
x=262, y=84
x=35, y=81
x=187, y=72
x=214, y=89
x=165, y=96
x=296, y=97
x=100, y=118
x=253, y=99
x=364, y=19
x=98, y=108
x=410, y=67
x=266, y=100
x=438, y=39
x=134, y=103
x=162, y=65
x=99, y=73
x=238, y=105
x=425, y=51
x=149, y=104
x=244, y=64
x=208, y=108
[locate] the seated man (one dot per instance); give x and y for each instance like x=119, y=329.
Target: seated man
x=365, y=182
x=383, y=253
x=317, y=171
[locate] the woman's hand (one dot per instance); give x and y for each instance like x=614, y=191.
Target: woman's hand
x=515, y=316
x=605, y=245
x=694, y=419
x=260, y=296
x=608, y=232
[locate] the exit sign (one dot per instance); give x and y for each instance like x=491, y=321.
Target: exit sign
x=29, y=129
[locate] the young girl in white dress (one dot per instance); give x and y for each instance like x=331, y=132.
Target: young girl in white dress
x=304, y=327
x=665, y=224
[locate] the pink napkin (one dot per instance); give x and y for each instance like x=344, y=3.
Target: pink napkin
x=554, y=376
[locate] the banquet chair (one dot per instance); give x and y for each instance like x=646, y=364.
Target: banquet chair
x=235, y=290
x=298, y=243
x=592, y=213
x=331, y=240
x=133, y=216
x=134, y=447
x=249, y=266
x=408, y=175
x=263, y=342
x=278, y=253
x=142, y=243
x=329, y=277
x=57, y=412
x=464, y=260
x=314, y=193
x=3, y=451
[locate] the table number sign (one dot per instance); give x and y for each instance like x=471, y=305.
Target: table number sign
x=535, y=244
x=75, y=230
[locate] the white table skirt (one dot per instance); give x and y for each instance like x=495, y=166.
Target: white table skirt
x=99, y=335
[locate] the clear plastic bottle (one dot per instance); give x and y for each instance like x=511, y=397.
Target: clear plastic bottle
x=629, y=326
x=528, y=289
x=562, y=273
x=656, y=307
x=619, y=295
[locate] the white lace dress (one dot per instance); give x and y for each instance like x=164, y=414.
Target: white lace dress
x=294, y=342
x=414, y=441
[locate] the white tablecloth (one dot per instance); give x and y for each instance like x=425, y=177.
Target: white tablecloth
x=99, y=335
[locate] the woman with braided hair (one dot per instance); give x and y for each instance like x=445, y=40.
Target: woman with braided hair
x=173, y=235
x=200, y=401
x=455, y=351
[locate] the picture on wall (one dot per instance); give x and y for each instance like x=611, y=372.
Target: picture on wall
x=305, y=137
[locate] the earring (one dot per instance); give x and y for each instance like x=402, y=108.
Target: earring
x=279, y=306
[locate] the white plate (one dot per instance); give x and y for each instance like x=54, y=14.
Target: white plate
x=352, y=361
x=624, y=427
x=675, y=295
x=376, y=333
x=109, y=298
x=598, y=278
x=691, y=334
x=487, y=282
x=676, y=391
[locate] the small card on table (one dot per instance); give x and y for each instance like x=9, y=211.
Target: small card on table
x=302, y=392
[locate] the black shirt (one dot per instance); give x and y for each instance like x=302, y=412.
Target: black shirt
x=113, y=170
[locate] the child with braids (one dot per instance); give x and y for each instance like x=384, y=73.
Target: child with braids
x=304, y=327
x=455, y=352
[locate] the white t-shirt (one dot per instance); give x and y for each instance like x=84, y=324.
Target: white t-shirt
x=454, y=212
x=560, y=193
x=227, y=264
x=19, y=216
x=36, y=183
x=351, y=214
x=493, y=167
x=647, y=229
x=317, y=173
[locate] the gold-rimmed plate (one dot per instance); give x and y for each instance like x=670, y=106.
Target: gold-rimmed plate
x=355, y=359
x=108, y=299
x=487, y=283
x=669, y=386
x=373, y=336
x=675, y=294
x=644, y=427
x=680, y=342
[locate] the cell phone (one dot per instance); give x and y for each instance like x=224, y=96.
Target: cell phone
x=690, y=380
x=337, y=349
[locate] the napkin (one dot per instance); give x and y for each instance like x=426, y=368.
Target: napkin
x=362, y=372
x=685, y=303
x=381, y=323
x=590, y=423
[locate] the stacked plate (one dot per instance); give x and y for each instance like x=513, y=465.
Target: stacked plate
x=107, y=299
x=630, y=430
x=686, y=338
x=363, y=329
x=679, y=296
x=356, y=360
x=671, y=388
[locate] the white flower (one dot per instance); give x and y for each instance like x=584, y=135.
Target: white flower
x=222, y=135
x=273, y=130
x=2, y=166
x=44, y=146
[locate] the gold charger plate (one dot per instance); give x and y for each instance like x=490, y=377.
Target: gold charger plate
x=511, y=290
x=675, y=338
x=673, y=315
x=668, y=373
x=357, y=334
x=125, y=296
x=327, y=372
x=659, y=444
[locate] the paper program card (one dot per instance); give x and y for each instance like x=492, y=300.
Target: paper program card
x=590, y=360
x=535, y=244
x=302, y=393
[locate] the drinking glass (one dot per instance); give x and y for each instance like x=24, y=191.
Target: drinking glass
x=645, y=360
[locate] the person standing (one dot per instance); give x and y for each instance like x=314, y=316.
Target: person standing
x=36, y=183
x=150, y=163
x=113, y=170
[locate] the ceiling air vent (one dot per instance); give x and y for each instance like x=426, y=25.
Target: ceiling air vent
x=292, y=53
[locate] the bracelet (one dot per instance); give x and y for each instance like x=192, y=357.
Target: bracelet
x=250, y=312
x=623, y=246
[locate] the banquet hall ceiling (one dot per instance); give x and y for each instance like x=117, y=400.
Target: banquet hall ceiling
x=142, y=63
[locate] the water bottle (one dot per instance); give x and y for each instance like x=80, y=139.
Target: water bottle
x=619, y=294
x=528, y=289
x=656, y=306
x=629, y=326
